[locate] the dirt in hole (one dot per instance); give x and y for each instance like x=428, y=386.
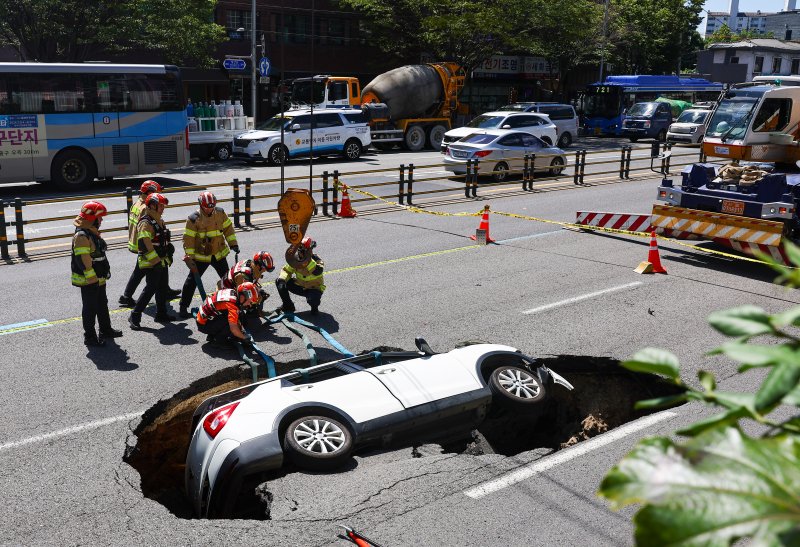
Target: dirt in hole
x=603, y=398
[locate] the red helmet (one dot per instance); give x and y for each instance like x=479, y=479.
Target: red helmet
x=250, y=293
x=93, y=210
x=149, y=187
x=308, y=243
x=264, y=261
x=155, y=199
x=207, y=200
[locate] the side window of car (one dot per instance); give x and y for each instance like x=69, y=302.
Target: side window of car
x=328, y=120
x=510, y=140
x=303, y=121
x=529, y=141
x=523, y=121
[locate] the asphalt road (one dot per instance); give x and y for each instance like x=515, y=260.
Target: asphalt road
x=68, y=412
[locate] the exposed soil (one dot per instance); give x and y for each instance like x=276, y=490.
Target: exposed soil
x=603, y=399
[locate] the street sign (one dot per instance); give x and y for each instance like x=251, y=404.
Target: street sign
x=264, y=66
x=263, y=80
x=234, y=64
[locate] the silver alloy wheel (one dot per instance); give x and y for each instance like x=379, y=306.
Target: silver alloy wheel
x=352, y=150
x=518, y=383
x=319, y=436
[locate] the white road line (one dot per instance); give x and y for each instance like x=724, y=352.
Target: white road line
x=532, y=236
x=71, y=430
x=582, y=297
x=562, y=456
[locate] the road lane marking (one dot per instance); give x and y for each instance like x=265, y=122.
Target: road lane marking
x=70, y=430
x=565, y=455
x=27, y=325
x=582, y=297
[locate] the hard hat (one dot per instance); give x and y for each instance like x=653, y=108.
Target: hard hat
x=308, y=243
x=250, y=293
x=91, y=210
x=155, y=199
x=264, y=261
x=207, y=200
x=150, y=186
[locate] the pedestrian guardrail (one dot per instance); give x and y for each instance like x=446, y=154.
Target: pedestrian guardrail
x=400, y=182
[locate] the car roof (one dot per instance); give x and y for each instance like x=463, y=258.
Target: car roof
x=304, y=111
x=499, y=132
x=514, y=113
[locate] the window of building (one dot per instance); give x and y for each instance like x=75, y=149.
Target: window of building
x=776, y=65
x=734, y=60
x=758, y=67
x=296, y=28
x=236, y=19
x=795, y=66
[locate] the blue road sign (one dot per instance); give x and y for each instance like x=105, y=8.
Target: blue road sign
x=234, y=64
x=264, y=66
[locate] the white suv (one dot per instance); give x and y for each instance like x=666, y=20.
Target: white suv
x=537, y=125
x=342, y=132
x=563, y=115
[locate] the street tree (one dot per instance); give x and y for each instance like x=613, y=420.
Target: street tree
x=176, y=31
x=725, y=35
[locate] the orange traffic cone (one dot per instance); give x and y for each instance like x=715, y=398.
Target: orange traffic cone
x=483, y=228
x=653, y=262
x=346, y=210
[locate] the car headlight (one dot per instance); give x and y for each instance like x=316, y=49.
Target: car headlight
x=646, y=124
x=692, y=130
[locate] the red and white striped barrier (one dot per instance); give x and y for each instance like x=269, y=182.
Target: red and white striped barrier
x=776, y=253
x=615, y=221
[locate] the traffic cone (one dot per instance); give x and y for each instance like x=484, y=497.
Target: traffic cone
x=483, y=228
x=346, y=211
x=653, y=262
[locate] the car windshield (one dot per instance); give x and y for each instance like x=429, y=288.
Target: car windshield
x=486, y=122
x=479, y=138
x=642, y=109
x=274, y=123
x=601, y=105
x=693, y=116
x=731, y=117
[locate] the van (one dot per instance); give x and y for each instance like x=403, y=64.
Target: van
x=647, y=120
x=562, y=115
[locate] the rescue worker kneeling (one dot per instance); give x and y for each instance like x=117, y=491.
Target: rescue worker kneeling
x=306, y=280
x=90, y=271
x=218, y=318
x=250, y=270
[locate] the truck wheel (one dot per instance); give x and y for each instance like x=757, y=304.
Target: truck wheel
x=435, y=136
x=223, y=152
x=277, y=155
x=415, y=138
x=73, y=170
x=352, y=149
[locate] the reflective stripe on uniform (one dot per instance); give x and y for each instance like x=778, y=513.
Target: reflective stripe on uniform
x=231, y=237
x=190, y=233
x=151, y=255
x=209, y=234
x=189, y=251
x=226, y=223
x=89, y=273
x=82, y=251
x=80, y=281
x=207, y=258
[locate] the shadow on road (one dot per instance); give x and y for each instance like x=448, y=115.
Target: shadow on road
x=111, y=357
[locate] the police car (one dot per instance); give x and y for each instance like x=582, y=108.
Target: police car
x=338, y=131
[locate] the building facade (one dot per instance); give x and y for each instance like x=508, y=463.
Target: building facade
x=760, y=56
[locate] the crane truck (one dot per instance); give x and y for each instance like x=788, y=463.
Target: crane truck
x=412, y=105
x=750, y=204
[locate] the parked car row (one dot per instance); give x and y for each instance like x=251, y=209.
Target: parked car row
x=654, y=120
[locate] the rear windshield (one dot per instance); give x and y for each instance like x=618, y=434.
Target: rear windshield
x=479, y=138
x=693, y=116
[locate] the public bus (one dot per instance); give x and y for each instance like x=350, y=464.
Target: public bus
x=72, y=123
x=605, y=102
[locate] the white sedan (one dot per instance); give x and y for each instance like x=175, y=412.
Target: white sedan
x=316, y=417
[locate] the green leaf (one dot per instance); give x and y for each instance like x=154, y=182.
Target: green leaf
x=710, y=490
x=759, y=356
x=793, y=397
x=781, y=380
x=733, y=400
x=789, y=317
x=655, y=361
x=707, y=380
x=742, y=321
x=717, y=421
x=792, y=252
x=661, y=402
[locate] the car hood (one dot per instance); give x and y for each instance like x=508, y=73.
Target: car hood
x=259, y=135
x=685, y=124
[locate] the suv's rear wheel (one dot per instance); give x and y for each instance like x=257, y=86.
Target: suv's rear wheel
x=564, y=140
x=515, y=387
x=352, y=149
x=318, y=442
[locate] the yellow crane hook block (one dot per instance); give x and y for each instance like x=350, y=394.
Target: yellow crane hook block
x=295, y=209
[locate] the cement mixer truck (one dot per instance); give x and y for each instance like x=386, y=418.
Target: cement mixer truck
x=411, y=106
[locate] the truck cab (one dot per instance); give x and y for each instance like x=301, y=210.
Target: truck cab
x=323, y=91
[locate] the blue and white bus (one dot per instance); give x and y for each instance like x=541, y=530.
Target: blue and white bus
x=604, y=102
x=72, y=123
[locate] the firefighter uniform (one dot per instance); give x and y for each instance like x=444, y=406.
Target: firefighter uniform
x=245, y=271
x=133, y=246
x=219, y=319
x=306, y=280
x=154, y=258
x=207, y=240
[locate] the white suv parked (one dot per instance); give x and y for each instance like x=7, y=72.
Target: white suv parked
x=563, y=115
x=537, y=125
x=342, y=132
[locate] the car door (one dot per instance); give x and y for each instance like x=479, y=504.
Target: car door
x=328, y=135
x=513, y=151
x=535, y=147
x=298, y=142
x=425, y=379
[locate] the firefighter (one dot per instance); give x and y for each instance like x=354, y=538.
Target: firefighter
x=207, y=240
x=218, y=318
x=126, y=300
x=155, y=257
x=250, y=270
x=90, y=271
x=307, y=280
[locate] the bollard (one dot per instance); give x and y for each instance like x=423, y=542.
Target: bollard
x=325, y=176
x=475, y=168
x=128, y=199
x=467, y=178
x=577, y=167
x=410, y=184
x=19, y=223
x=3, y=235
x=248, y=196
x=532, y=172
x=583, y=164
x=401, y=193
x=235, y=185
x=335, y=192
x=628, y=162
x=525, y=164
x=622, y=162
x=668, y=159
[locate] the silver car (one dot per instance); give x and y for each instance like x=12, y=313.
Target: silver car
x=501, y=152
x=689, y=127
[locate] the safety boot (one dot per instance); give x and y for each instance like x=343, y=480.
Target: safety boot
x=173, y=293
x=184, y=313
x=126, y=301
x=110, y=333
x=135, y=321
x=91, y=339
x=164, y=317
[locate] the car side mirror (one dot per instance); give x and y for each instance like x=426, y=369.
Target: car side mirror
x=294, y=127
x=423, y=346
x=506, y=127
x=624, y=110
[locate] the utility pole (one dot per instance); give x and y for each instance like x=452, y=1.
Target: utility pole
x=253, y=61
x=603, y=47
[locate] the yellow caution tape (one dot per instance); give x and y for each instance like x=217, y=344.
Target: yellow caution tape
x=415, y=209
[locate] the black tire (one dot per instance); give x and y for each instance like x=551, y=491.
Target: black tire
x=73, y=170
x=634, y=139
x=435, y=136
x=547, y=141
x=352, y=149
x=556, y=166
x=515, y=387
x=500, y=172
x=662, y=135
x=564, y=140
x=415, y=138
x=222, y=152
x=276, y=154
x=306, y=437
